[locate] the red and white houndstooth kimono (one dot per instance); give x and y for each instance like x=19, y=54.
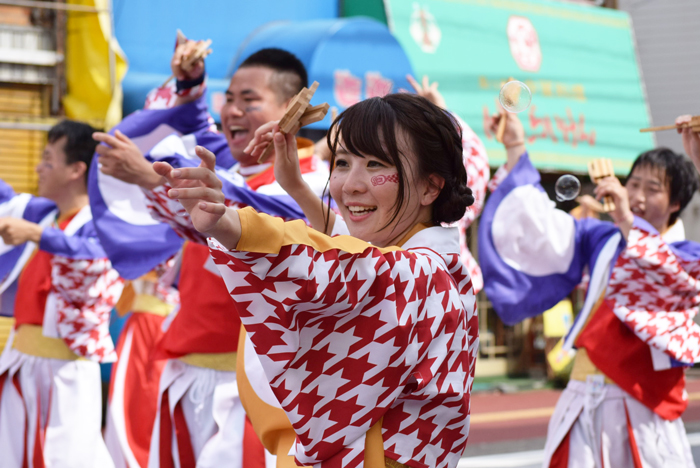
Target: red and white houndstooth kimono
x=354, y=337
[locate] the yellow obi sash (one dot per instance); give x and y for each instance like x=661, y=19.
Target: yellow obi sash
x=147, y=304
x=583, y=366
x=137, y=302
x=217, y=361
x=393, y=463
x=29, y=339
x=6, y=326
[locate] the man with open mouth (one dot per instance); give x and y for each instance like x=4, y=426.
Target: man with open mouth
x=199, y=391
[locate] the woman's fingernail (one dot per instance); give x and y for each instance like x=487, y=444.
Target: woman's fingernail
x=173, y=193
x=177, y=173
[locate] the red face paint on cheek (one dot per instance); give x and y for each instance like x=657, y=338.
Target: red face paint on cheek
x=382, y=179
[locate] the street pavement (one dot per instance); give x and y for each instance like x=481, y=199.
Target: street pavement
x=509, y=429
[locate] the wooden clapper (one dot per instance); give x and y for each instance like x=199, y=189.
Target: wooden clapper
x=298, y=112
x=598, y=169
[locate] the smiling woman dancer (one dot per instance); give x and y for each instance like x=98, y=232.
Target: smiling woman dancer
x=369, y=348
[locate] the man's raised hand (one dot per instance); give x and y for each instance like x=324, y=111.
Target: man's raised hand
x=622, y=214
x=182, y=52
x=119, y=157
x=691, y=139
x=427, y=90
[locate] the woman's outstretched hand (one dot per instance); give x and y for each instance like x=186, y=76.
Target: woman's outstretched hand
x=198, y=189
x=427, y=90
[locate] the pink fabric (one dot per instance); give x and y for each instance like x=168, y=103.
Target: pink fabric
x=656, y=294
x=476, y=162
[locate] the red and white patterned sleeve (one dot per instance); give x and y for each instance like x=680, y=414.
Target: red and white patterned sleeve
x=476, y=163
x=167, y=97
x=656, y=294
x=85, y=292
x=166, y=210
x=498, y=177
x=348, y=333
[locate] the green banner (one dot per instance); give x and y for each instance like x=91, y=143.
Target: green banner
x=579, y=61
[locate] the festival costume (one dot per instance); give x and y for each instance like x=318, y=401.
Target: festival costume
x=200, y=376
x=171, y=134
x=218, y=329
x=634, y=334
x=340, y=329
x=50, y=386
x=134, y=392
x=476, y=163
x=135, y=379
x=13, y=258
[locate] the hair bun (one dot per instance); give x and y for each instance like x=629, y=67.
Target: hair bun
x=455, y=198
x=465, y=195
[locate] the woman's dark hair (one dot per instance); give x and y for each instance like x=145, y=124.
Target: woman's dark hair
x=370, y=127
x=679, y=175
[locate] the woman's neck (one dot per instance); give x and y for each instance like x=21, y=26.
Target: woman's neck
x=423, y=220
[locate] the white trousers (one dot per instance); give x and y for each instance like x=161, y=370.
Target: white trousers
x=50, y=409
x=598, y=420
x=212, y=410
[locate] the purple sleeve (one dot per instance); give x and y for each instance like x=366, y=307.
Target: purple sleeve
x=84, y=245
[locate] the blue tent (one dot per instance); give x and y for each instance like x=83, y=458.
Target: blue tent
x=351, y=58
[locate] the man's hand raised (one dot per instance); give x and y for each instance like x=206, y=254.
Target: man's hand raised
x=119, y=157
x=427, y=90
x=182, y=53
x=691, y=140
x=622, y=214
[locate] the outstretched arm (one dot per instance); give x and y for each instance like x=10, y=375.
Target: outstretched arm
x=119, y=157
x=198, y=189
x=16, y=231
x=288, y=174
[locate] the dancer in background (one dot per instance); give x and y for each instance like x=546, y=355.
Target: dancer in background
x=50, y=386
x=199, y=384
x=135, y=380
x=635, y=333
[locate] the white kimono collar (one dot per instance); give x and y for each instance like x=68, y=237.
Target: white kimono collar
x=443, y=240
